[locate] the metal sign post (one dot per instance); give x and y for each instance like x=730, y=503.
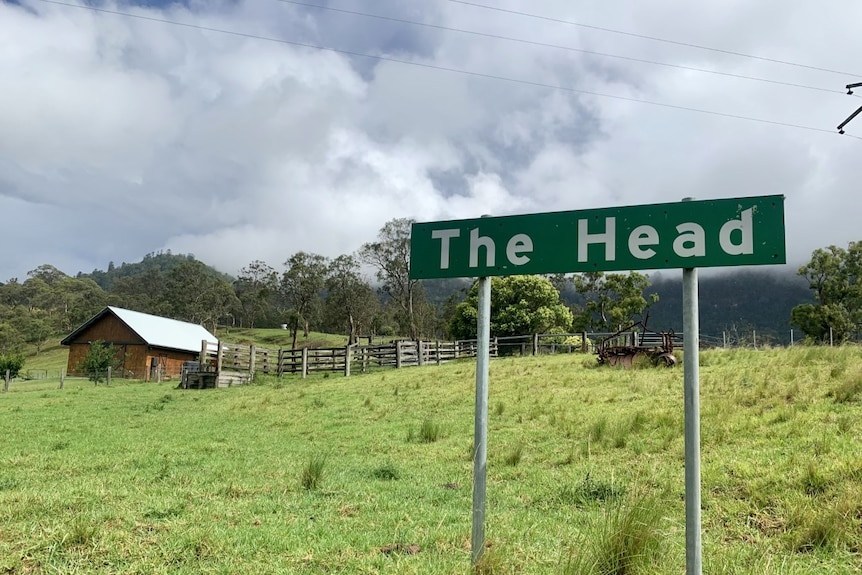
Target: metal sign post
x=480, y=431
x=691, y=385
x=691, y=393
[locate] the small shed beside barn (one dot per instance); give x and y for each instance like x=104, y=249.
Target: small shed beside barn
x=150, y=347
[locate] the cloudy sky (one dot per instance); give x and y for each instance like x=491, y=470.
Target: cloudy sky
x=235, y=137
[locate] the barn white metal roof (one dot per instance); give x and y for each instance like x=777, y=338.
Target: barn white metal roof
x=164, y=332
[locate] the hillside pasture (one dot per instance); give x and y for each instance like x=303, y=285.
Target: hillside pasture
x=276, y=338
x=373, y=474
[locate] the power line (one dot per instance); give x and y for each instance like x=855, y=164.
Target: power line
x=440, y=68
x=653, y=38
x=559, y=47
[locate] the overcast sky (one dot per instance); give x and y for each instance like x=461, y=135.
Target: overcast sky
x=121, y=136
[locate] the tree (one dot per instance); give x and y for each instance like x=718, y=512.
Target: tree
x=834, y=276
x=34, y=327
x=99, y=358
x=13, y=362
x=300, y=288
x=144, y=292
x=47, y=273
x=194, y=293
x=612, y=301
x=255, y=287
x=520, y=305
x=10, y=338
x=12, y=293
x=73, y=301
x=390, y=254
x=350, y=302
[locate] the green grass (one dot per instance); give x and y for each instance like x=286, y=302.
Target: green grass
x=47, y=363
x=275, y=338
x=144, y=478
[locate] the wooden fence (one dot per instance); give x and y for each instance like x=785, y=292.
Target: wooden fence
x=225, y=358
x=231, y=361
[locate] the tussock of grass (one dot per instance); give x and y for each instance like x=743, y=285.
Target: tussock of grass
x=386, y=472
x=597, y=430
x=849, y=391
x=430, y=431
x=312, y=473
x=590, y=490
x=513, y=458
x=626, y=540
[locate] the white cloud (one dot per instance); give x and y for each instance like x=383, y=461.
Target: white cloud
x=120, y=136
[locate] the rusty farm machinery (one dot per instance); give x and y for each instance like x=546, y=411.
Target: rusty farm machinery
x=628, y=345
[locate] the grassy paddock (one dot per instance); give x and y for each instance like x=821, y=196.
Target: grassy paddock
x=275, y=338
x=372, y=474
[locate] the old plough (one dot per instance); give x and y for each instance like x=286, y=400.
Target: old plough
x=625, y=346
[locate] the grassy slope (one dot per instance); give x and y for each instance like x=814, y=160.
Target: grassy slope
x=51, y=360
x=143, y=478
x=275, y=338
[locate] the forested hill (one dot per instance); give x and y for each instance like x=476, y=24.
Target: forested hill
x=160, y=262
x=735, y=302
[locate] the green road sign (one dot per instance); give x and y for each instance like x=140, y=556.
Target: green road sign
x=710, y=233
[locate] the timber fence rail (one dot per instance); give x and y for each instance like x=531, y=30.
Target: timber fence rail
x=224, y=356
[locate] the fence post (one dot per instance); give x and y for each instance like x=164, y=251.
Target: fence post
x=219, y=356
x=347, y=355
x=62, y=377
x=754, y=338
x=420, y=351
x=6, y=384
x=304, y=362
x=398, y=352
x=724, y=339
x=437, y=351
x=279, y=370
x=585, y=346
x=535, y=343
x=251, y=361
x=204, y=349
x=495, y=347
x=109, y=376
x=364, y=355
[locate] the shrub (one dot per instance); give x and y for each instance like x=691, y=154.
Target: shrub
x=13, y=362
x=99, y=358
x=577, y=342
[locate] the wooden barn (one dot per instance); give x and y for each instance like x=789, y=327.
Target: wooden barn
x=150, y=347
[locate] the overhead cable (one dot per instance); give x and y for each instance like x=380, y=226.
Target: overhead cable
x=438, y=67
